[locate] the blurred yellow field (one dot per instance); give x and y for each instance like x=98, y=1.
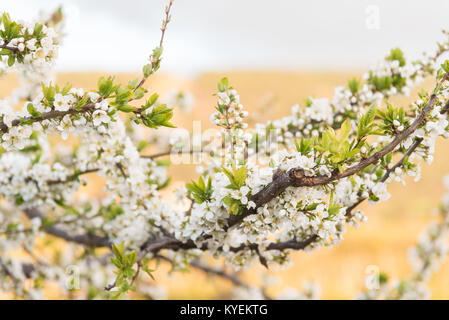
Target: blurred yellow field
x=383, y=241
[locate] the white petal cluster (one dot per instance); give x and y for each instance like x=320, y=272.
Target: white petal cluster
x=18, y=135
x=28, y=184
x=38, y=52
x=130, y=178
x=233, y=114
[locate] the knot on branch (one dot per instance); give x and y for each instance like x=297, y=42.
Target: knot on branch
x=298, y=178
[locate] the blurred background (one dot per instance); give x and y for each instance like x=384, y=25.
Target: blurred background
x=275, y=53
x=117, y=35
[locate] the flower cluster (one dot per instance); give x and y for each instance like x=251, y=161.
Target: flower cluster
x=30, y=184
x=33, y=44
x=31, y=76
x=230, y=113
x=62, y=108
x=131, y=179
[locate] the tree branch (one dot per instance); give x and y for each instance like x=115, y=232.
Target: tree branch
x=55, y=114
x=5, y=46
x=88, y=239
x=294, y=177
x=398, y=164
x=72, y=177
x=47, y=116
x=297, y=178
x=27, y=268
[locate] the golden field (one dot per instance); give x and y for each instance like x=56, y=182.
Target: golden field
x=383, y=241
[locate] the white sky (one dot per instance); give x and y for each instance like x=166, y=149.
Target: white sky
x=206, y=35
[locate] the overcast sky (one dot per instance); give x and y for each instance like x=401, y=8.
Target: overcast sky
x=205, y=35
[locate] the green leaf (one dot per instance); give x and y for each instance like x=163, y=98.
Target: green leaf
x=139, y=93
x=37, y=29
x=147, y=70
x=236, y=178
x=383, y=278
x=333, y=210
x=240, y=176
x=66, y=89
x=132, y=258
x=157, y=52
x=345, y=130
x=223, y=85
x=397, y=54
x=133, y=83
x=11, y=60
x=200, y=191
x=353, y=85
x=312, y=206
x=126, y=108
x=445, y=66
x=106, y=86
x=151, y=101
x=148, y=271
x=118, y=250
x=32, y=110
x=234, y=205
x=160, y=116
x=352, y=153
x=142, y=145
x=298, y=148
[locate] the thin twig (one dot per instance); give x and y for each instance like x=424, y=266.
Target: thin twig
x=88, y=239
x=5, y=46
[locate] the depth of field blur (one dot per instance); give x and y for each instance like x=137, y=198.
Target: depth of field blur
x=383, y=241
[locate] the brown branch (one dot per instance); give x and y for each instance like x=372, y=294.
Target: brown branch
x=300, y=180
x=56, y=114
x=293, y=244
x=161, y=41
x=28, y=270
x=297, y=178
x=72, y=177
x=154, y=245
x=165, y=23
x=46, y=116
x=294, y=177
x=398, y=164
x=88, y=239
x=173, y=152
x=5, y=46
x=387, y=174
